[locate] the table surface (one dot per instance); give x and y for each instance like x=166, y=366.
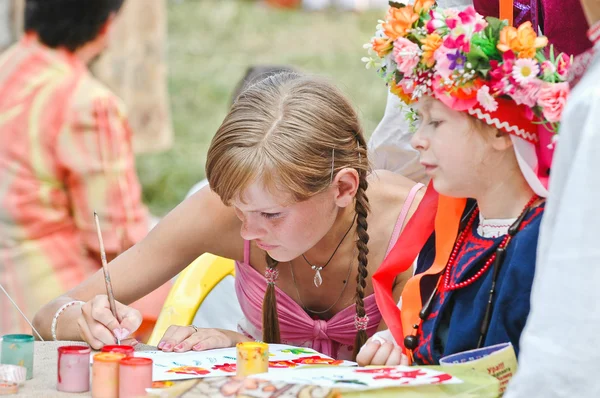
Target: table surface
x=43, y=383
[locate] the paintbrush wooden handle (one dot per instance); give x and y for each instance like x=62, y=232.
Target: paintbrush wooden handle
x=107, y=281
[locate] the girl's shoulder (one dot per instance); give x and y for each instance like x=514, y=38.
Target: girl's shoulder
x=388, y=189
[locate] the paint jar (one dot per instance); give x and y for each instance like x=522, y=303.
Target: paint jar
x=252, y=358
x=17, y=349
x=124, y=349
x=135, y=375
x=8, y=387
x=73, y=368
x=105, y=375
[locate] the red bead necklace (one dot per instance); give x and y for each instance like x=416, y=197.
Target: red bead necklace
x=452, y=260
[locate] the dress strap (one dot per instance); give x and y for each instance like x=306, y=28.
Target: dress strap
x=246, y=252
x=403, y=214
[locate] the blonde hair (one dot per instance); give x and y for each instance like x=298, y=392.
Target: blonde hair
x=287, y=131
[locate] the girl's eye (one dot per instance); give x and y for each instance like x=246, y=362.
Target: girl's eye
x=270, y=216
x=435, y=123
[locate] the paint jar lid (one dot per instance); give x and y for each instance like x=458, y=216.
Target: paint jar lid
x=17, y=338
x=74, y=349
x=253, y=345
x=109, y=357
x=136, y=361
x=125, y=349
x=8, y=387
x=13, y=373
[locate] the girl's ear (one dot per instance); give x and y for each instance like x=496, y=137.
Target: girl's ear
x=500, y=140
x=346, y=183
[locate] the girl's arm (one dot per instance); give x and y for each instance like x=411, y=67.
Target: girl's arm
x=199, y=225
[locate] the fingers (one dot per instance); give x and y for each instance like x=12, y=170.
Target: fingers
x=212, y=341
x=184, y=338
x=86, y=335
x=382, y=355
x=132, y=342
x=102, y=327
x=173, y=336
x=98, y=310
x=367, y=352
x=404, y=361
x=131, y=319
x=190, y=342
x=395, y=357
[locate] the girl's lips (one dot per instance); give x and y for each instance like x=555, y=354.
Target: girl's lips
x=428, y=167
x=264, y=246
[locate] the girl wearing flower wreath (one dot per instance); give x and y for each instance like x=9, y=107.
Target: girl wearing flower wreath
x=290, y=174
x=487, y=104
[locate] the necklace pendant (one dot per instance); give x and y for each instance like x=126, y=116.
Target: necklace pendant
x=317, y=279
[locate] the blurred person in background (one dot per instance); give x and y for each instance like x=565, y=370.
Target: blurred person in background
x=67, y=152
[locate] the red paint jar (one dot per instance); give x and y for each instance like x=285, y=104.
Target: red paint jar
x=73, y=368
x=123, y=349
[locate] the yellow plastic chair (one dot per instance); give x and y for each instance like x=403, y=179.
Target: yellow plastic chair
x=189, y=291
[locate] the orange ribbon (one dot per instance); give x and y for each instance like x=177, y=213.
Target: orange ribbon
x=437, y=212
x=506, y=11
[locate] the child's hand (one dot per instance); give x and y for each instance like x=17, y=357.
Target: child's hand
x=378, y=351
x=98, y=326
x=186, y=338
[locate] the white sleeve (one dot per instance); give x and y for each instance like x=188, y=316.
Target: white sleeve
x=389, y=146
x=560, y=346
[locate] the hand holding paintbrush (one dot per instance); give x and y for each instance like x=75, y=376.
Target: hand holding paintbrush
x=109, y=290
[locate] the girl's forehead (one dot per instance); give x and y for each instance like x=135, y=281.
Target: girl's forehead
x=258, y=197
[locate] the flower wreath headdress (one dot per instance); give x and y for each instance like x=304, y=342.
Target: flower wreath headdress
x=503, y=75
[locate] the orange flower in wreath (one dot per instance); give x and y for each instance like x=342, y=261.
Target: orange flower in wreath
x=522, y=40
x=399, y=21
x=423, y=5
x=430, y=43
x=382, y=46
x=398, y=90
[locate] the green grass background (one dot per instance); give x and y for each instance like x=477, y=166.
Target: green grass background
x=210, y=45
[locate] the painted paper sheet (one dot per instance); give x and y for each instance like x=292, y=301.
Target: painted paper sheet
x=222, y=362
x=354, y=378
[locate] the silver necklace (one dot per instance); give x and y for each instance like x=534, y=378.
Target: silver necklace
x=318, y=280
x=341, y=293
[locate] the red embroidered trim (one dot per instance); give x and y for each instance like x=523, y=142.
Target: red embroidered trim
x=453, y=256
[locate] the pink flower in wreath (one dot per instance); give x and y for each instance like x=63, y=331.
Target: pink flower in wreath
x=459, y=42
x=406, y=55
x=472, y=20
x=436, y=21
x=548, y=68
x=527, y=93
x=486, y=100
x=442, y=65
x=563, y=63
x=552, y=98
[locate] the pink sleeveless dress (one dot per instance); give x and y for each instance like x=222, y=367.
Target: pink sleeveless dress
x=333, y=337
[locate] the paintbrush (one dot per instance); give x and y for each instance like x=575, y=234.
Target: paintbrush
x=107, y=282
x=20, y=312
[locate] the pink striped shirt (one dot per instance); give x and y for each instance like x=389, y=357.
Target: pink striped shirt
x=66, y=151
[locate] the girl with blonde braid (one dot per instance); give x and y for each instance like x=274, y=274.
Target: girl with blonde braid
x=294, y=203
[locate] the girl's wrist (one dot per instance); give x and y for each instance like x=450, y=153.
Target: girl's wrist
x=236, y=337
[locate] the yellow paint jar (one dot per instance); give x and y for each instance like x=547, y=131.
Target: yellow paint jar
x=105, y=375
x=252, y=358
